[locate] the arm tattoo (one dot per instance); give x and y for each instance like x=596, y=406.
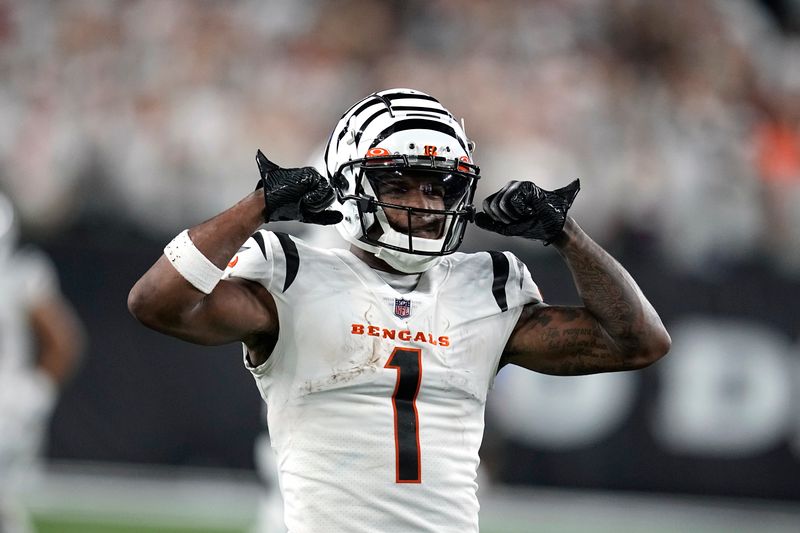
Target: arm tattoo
x=609, y=293
x=563, y=341
x=616, y=329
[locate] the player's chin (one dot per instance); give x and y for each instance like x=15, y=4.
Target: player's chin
x=422, y=233
x=419, y=228
x=427, y=233
x=432, y=228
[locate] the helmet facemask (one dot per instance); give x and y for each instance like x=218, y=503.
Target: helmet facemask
x=380, y=184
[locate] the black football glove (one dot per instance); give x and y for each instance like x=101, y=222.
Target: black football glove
x=295, y=193
x=523, y=209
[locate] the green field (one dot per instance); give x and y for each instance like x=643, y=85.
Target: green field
x=86, y=498
x=55, y=524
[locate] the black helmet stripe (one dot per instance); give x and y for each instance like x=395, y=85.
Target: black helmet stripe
x=417, y=124
x=381, y=98
x=373, y=100
x=425, y=109
x=369, y=101
x=380, y=112
x=396, y=108
x=365, y=103
x=376, y=98
x=391, y=97
x=417, y=96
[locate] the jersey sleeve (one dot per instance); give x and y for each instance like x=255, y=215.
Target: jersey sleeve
x=520, y=288
x=269, y=258
x=513, y=289
x=254, y=261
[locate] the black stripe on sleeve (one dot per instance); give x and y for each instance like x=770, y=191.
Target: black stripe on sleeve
x=500, y=268
x=292, y=258
x=260, y=241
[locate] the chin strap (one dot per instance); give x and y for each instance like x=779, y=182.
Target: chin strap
x=407, y=263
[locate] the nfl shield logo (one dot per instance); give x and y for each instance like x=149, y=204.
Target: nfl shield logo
x=402, y=308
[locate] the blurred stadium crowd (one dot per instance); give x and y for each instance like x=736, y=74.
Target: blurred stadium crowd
x=681, y=117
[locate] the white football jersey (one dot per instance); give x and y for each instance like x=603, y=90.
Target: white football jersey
x=376, y=398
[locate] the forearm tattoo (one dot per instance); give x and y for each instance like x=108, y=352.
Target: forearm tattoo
x=615, y=329
x=609, y=293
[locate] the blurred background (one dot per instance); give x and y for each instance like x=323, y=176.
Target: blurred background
x=124, y=121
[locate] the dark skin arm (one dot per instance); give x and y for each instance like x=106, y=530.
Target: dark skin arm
x=615, y=329
x=236, y=310
x=59, y=336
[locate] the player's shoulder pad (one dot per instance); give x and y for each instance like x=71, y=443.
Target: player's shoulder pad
x=512, y=284
x=267, y=257
x=253, y=260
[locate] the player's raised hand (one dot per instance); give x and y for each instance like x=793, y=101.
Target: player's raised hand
x=523, y=209
x=295, y=193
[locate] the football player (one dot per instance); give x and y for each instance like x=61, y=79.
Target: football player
x=40, y=341
x=375, y=361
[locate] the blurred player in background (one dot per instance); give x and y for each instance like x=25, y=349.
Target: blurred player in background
x=40, y=343
x=375, y=361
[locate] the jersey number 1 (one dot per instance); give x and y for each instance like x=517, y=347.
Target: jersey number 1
x=408, y=363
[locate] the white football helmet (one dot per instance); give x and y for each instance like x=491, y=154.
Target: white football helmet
x=393, y=132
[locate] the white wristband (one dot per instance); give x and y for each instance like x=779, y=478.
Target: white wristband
x=191, y=263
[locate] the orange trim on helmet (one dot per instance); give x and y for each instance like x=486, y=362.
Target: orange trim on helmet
x=378, y=152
